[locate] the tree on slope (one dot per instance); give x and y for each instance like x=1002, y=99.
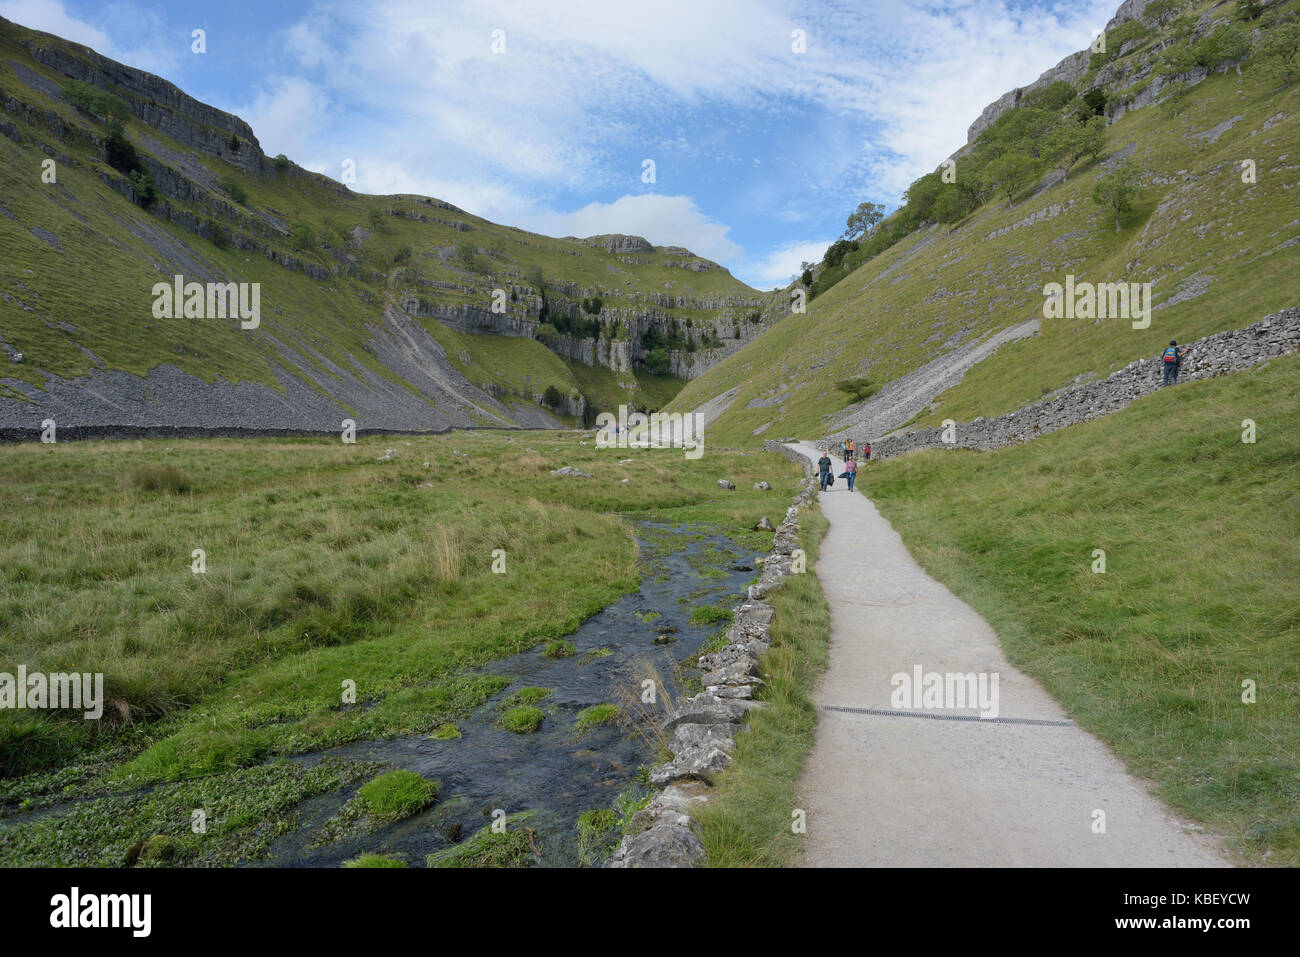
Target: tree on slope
x=863, y=218
x=1278, y=56
x=1118, y=189
x=1071, y=142
x=1010, y=173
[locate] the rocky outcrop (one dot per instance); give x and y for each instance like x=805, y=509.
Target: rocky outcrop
x=620, y=244
x=701, y=731
x=1212, y=356
x=1071, y=70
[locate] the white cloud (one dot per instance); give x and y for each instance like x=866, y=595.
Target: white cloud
x=664, y=220
x=412, y=91
x=49, y=16
x=777, y=267
x=291, y=117
x=150, y=51
x=896, y=85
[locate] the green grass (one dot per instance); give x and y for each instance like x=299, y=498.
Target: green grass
x=894, y=313
x=598, y=836
x=1198, y=594
x=165, y=478
x=709, y=615
x=522, y=719
x=397, y=794
x=559, y=648
x=489, y=848
x=747, y=822
x=244, y=811
x=375, y=860
x=595, y=716
x=343, y=600
x=528, y=696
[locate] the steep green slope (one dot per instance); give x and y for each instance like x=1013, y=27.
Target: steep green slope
x=79, y=258
x=1220, y=253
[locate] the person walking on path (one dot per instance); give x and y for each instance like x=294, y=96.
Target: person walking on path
x=866, y=451
x=1171, y=360
x=850, y=471
x=824, y=470
x=851, y=454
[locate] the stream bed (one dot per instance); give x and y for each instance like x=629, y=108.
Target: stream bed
x=554, y=773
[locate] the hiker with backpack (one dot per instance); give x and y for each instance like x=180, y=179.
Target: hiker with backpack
x=824, y=470
x=1171, y=360
x=866, y=451
x=850, y=471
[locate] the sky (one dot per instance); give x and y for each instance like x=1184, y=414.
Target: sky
x=744, y=130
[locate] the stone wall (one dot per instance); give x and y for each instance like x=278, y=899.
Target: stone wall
x=701, y=732
x=1212, y=356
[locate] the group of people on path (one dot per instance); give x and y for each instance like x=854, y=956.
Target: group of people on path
x=849, y=455
x=1170, y=359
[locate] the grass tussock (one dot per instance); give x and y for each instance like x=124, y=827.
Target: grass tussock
x=161, y=478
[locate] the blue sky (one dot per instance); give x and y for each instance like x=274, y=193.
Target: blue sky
x=760, y=152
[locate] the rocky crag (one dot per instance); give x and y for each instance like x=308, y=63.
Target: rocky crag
x=355, y=288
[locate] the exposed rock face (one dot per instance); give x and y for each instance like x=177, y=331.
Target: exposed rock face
x=702, y=729
x=1215, y=355
x=191, y=196
x=1070, y=69
x=616, y=243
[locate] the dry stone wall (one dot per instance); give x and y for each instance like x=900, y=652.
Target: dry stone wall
x=1216, y=355
x=701, y=731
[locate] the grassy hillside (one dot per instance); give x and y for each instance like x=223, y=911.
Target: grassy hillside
x=79, y=257
x=1197, y=596
x=1220, y=254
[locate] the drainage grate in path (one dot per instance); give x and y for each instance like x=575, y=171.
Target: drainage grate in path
x=886, y=712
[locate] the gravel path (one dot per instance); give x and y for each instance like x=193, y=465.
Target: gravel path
x=900, y=790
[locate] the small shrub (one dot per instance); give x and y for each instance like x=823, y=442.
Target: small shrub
x=234, y=191
x=219, y=235
x=302, y=237
x=858, y=389
x=559, y=649
x=553, y=398
x=96, y=102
